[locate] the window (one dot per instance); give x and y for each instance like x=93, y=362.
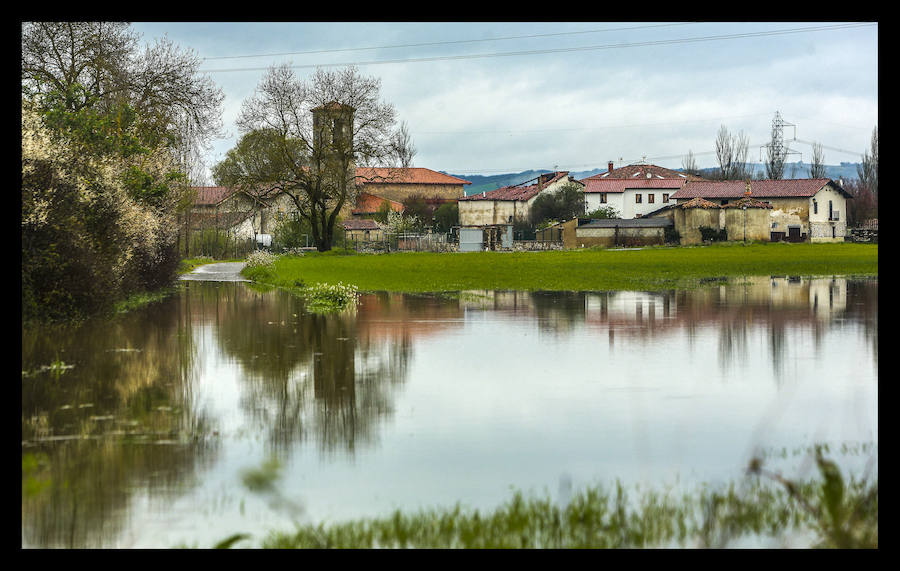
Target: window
x=602, y=198
x=665, y=197
x=651, y=198
x=637, y=198
x=815, y=207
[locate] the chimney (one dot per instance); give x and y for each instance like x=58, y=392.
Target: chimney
x=610, y=166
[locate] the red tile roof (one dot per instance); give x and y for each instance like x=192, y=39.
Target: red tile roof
x=803, y=187
x=367, y=203
x=210, y=195
x=621, y=184
x=748, y=202
x=520, y=192
x=641, y=170
x=412, y=175
x=699, y=203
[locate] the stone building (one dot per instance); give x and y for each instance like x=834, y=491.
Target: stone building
x=802, y=209
x=504, y=205
x=396, y=184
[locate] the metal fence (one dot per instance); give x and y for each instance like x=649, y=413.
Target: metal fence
x=439, y=242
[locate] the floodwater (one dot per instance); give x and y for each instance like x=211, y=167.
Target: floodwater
x=146, y=430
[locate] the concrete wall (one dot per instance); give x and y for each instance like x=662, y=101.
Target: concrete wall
x=484, y=212
x=400, y=192
x=688, y=222
x=750, y=224
x=789, y=212
x=611, y=237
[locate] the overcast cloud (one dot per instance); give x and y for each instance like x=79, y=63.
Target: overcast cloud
x=620, y=100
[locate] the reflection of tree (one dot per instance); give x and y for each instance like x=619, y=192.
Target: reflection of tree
x=559, y=311
x=864, y=309
x=121, y=419
x=310, y=375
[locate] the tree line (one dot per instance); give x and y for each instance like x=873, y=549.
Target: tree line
x=732, y=159
x=111, y=135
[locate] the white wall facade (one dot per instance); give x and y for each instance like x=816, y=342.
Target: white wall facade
x=592, y=201
x=631, y=208
x=822, y=227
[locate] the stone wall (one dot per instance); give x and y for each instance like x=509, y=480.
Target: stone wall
x=400, y=192
x=755, y=221
x=689, y=220
x=868, y=235
x=612, y=237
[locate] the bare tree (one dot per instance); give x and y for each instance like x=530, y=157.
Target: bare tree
x=305, y=138
x=98, y=66
x=868, y=170
x=689, y=163
x=731, y=152
x=817, y=162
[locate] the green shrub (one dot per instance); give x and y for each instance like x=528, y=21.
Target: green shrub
x=672, y=236
x=713, y=234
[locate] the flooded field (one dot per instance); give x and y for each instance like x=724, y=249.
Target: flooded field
x=227, y=408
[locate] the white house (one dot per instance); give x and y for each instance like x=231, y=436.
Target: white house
x=633, y=190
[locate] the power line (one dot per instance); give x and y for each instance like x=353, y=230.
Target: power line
x=529, y=36
x=564, y=50
x=594, y=128
x=631, y=161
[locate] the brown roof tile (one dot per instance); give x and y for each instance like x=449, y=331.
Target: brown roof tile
x=803, y=187
x=641, y=170
x=520, y=192
x=210, y=195
x=412, y=175
x=699, y=203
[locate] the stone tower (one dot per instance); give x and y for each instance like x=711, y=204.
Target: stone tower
x=333, y=131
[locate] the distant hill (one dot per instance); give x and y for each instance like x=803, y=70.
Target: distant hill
x=845, y=171
x=481, y=183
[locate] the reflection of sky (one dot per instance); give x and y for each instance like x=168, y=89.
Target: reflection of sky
x=492, y=402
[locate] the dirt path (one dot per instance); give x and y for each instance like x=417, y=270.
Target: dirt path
x=219, y=272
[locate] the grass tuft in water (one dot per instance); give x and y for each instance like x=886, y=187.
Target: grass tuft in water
x=836, y=513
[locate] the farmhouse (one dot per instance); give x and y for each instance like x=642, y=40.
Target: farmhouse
x=633, y=190
x=364, y=230
x=801, y=209
x=504, y=205
x=396, y=184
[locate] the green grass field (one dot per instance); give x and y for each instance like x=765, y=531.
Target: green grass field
x=570, y=270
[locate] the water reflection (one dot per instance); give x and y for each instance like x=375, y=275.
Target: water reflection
x=145, y=408
x=119, y=417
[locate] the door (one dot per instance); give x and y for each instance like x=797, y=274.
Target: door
x=793, y=233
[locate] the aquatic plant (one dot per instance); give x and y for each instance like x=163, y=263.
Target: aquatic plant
x=260, y=259
x=323, y=297
x=836, y=514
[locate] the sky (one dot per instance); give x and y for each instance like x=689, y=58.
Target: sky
x=503, y=97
